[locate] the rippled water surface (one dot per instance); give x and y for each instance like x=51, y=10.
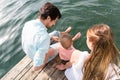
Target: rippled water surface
x=80, y=14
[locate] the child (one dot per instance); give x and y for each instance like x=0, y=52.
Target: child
x=100, y=64
x=64, y=47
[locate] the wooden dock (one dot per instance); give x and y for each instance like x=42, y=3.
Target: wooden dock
x=24, y=71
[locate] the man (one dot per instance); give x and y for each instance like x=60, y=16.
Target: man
x=35, y=38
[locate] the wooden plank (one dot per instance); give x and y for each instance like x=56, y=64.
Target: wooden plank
x=57, y=75
x=17, y=69
x=26, y=69
x=30, y=75
x=46, y=72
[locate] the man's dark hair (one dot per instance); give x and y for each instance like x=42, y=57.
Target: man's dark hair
x=48, y=9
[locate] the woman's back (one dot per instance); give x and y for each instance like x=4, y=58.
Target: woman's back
x=76, y=72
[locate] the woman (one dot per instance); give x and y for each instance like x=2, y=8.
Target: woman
x=101, y=63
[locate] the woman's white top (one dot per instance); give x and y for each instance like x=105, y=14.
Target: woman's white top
x=75, y=72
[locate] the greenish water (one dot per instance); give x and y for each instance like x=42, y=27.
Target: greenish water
x=80, y=14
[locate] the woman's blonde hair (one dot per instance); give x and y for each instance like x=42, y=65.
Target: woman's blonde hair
x=103, y=54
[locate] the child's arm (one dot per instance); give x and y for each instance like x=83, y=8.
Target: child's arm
x=68, y=65
x=63, y=67
x=77, y=36
x=74, y=59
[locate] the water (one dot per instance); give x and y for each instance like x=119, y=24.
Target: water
x=80, y=14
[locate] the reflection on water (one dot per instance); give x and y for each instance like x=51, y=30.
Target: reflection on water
x=80, y=14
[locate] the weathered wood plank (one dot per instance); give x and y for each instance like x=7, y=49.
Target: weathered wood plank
x=46, y=73
x=24, y=71
x=30, y=74
x=17, y=69
x=43, y=75
x=57, y=75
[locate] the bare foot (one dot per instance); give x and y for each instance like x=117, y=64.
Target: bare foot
x=36, y=68
x=77, y=36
